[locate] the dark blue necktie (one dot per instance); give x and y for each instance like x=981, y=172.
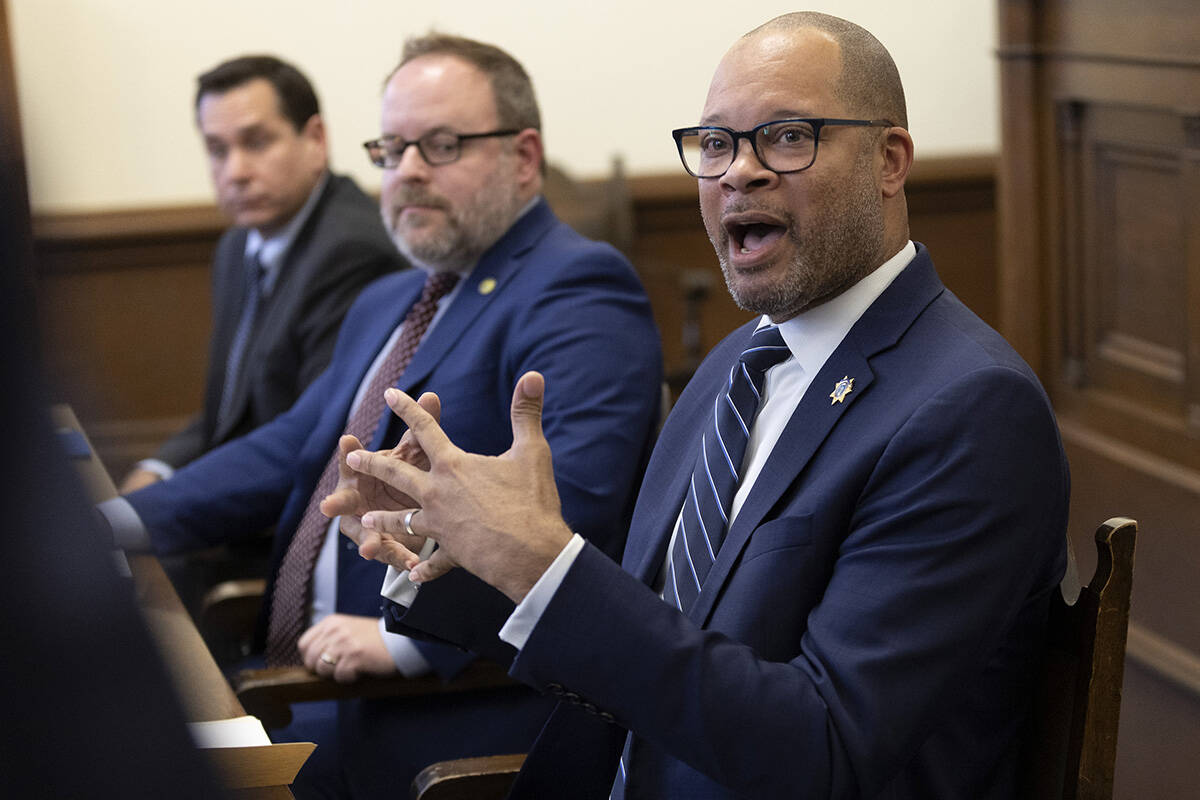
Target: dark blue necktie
x=705, y=517
x=241, y=337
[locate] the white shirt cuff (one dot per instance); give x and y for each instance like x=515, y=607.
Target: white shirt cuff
x=160, y=468
x=128, y=531
x=408, y=658
x=396, y=585
x=527, y=613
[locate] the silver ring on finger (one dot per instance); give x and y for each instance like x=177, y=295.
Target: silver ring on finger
x=408, y=521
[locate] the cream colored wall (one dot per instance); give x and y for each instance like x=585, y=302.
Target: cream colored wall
x=106, y=86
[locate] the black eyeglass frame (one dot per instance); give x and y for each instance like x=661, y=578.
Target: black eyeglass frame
x=816, y=123
x=382, y=141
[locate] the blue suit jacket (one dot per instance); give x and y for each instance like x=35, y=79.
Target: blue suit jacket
x=871, y=623
x=542, y=298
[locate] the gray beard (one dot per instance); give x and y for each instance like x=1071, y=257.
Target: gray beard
x=834, y=251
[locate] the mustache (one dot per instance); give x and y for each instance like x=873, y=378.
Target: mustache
x=417, y=197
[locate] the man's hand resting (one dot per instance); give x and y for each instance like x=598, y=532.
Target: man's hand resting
x=354, y=645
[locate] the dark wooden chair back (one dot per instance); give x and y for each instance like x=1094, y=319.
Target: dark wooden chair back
x=486, y=778
x=1073, y=749
x=599, y=209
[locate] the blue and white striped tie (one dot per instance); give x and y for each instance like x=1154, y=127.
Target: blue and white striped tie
x=705, y=517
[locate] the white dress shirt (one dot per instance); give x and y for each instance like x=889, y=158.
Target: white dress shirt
x=812, y=337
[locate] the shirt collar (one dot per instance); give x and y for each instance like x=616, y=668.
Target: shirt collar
x=272, y=250
x=813, y=335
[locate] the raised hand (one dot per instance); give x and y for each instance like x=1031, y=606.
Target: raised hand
x=497, y=516
x=357, y=493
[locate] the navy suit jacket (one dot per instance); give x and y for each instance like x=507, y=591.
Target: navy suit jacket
x=542, y=298
x=871, y=624
x=341, y=247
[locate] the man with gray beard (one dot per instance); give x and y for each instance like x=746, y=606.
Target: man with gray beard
x=502, y=287
x=838, y=574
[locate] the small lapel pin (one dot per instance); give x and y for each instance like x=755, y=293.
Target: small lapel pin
x=840, y=389
x=487, y=285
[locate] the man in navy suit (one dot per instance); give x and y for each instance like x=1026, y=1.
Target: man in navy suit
x=503, y=287
x=837, y=576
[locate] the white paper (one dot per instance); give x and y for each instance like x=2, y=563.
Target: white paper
x=237, y=732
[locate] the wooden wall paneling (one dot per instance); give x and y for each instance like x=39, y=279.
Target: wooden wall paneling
x=1021, y=282
x=1101, y=98
x=124, y=306
x=1190, y=197
x=952, y=210
x=125, y=294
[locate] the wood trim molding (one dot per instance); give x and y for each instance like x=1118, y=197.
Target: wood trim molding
x=646, y=190
x=1127, y=455
x=1164, y=659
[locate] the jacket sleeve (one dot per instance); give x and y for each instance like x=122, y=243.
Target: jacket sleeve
x=944, y=563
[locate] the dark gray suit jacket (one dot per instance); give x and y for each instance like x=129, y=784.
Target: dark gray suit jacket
x=340, y=249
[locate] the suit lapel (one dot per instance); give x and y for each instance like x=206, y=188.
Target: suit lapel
x=289, y=278
x=666, y=481
x=670, y=468
x=487, y=282
x=817, y=413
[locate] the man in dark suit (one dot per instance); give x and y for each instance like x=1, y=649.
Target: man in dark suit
x=838, y=572
x=503, y=287
x=304, y=243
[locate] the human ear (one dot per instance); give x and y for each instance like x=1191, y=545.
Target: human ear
x=897, y=157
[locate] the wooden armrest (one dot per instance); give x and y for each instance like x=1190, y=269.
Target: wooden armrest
x=486, y=778
x=233, y=606
x=227, y=617
x=269, y=693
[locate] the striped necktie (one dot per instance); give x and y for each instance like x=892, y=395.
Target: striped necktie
x=292, y=593
x=705, y=517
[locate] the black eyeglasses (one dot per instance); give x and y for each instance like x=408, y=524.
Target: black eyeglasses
x=782, y=145
x=436, y=147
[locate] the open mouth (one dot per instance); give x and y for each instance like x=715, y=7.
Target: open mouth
x=751, y=237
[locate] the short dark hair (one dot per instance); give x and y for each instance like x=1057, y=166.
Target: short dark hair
x=516, y=104
x=297, y=100
x=869, y=83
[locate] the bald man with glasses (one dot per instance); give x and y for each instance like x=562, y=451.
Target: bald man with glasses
x=838, y=573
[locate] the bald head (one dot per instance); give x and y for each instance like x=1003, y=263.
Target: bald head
x=869, y=83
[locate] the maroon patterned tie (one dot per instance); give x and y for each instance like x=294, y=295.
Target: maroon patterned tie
x=293, y=584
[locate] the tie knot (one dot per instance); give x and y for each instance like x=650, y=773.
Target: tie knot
x=438, y=285
x=766, y=349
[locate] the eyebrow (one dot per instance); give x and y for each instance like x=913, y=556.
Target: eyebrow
x=715, y=121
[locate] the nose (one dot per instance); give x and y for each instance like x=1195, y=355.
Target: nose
x=746, y=173
x=412, y=165
x=237, y=165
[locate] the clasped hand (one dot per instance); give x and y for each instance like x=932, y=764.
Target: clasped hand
x=497, y=516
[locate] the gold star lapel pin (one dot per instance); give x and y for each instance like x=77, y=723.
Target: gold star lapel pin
x=840, y=389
